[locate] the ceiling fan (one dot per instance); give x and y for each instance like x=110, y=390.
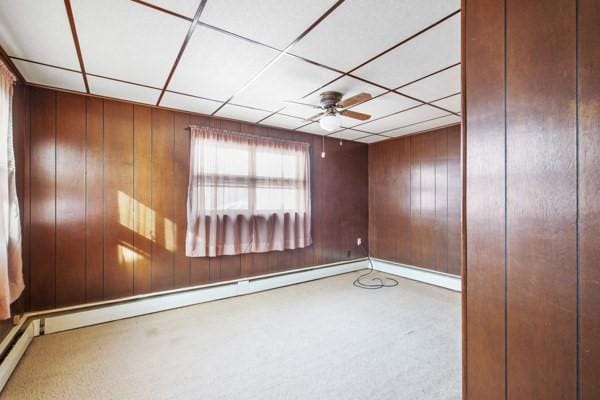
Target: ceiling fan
x=332, y=106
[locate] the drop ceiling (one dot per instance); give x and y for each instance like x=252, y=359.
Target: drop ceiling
x=242, y=59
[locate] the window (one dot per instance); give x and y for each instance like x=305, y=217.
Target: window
x=246, y=194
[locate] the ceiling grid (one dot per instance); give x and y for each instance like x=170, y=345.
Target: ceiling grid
x=242, y=59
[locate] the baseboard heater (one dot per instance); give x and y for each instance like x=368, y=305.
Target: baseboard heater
x=14, y=345
x=436, y=278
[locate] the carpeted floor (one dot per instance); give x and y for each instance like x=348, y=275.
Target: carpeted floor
x=319, y=340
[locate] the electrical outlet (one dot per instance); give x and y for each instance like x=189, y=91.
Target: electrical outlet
x=358, y=241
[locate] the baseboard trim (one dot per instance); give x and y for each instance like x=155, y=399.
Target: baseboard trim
x=14, y=355
x=448, y=281
x=14, y=345
x=168, y=301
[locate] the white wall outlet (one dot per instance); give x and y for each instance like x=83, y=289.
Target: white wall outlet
x=358, y=241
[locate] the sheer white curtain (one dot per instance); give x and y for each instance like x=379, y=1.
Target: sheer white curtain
x=11, y=272
x=246, y=194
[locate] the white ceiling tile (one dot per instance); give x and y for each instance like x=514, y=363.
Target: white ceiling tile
x=299, y=110
x=184, y=7
x=128, y=41
x=401, y=119
x=242, y=113
x=314, y=128
x=436, y=86
x=273, y=22
x=437, y=48
x=360, y=29
x=283, y=121
x=452, y=103
x=372, y=139
x=120, y=90
x=348, y=134
x=215, y=65
x=49, y=76
x=38, y=31
x=188, y=103
x=426, y=125
x=287, y=79
x=384, y=105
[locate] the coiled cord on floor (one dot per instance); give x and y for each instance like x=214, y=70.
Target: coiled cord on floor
x=375, y=282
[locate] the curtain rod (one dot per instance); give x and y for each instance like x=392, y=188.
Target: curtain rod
x=250, y=135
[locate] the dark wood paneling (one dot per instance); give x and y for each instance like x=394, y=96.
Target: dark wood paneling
x=43, y=199
x=548, y=142
x=143, y=215
x=401, y=179
x=70, y=199
x=415, y=199
x=118, y=204
x=428, y=190
x=589, y=198
x=454, y=202
x=541, y=200
x=484, y=283
x=441, y=203
x=135, y=162
x=94, y=210
x=181, y=157
x=163, y=243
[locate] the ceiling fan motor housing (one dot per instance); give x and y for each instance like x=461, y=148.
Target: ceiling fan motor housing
x=330, y=100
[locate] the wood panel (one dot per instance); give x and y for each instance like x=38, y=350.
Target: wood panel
x=454, y=202
x=163, y=243
x=589, y=195
x=415, y=200
x=538, y=158
x=94, y=197
x=43, y=199
x=484, y=283
x=70, y=199
x=401, y=180
x=441, y=203
x=181, y=163
x=427, y=196
x=541, y=201
x=135, y=163
x=118, y=204
x=144, y=216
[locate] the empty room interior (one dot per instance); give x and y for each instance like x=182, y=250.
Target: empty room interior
x=304, y=199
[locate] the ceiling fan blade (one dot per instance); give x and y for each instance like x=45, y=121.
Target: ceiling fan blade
x=359, y=98
x=302, y=104
x=315, y=117
x=355, y=115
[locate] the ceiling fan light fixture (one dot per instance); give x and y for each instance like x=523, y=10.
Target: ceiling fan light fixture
x=330, y=122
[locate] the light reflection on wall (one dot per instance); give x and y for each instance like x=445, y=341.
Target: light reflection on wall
x=170, y=232
x=127, y=255
x=142, y=220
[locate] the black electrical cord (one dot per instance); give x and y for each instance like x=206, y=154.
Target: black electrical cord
x=375, y=282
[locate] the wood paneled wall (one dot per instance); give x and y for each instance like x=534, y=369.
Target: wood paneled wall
x=104, y=190
x=532, y=273
x=414, y=200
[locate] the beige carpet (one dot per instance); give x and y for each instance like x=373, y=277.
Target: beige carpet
x=319, y=340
